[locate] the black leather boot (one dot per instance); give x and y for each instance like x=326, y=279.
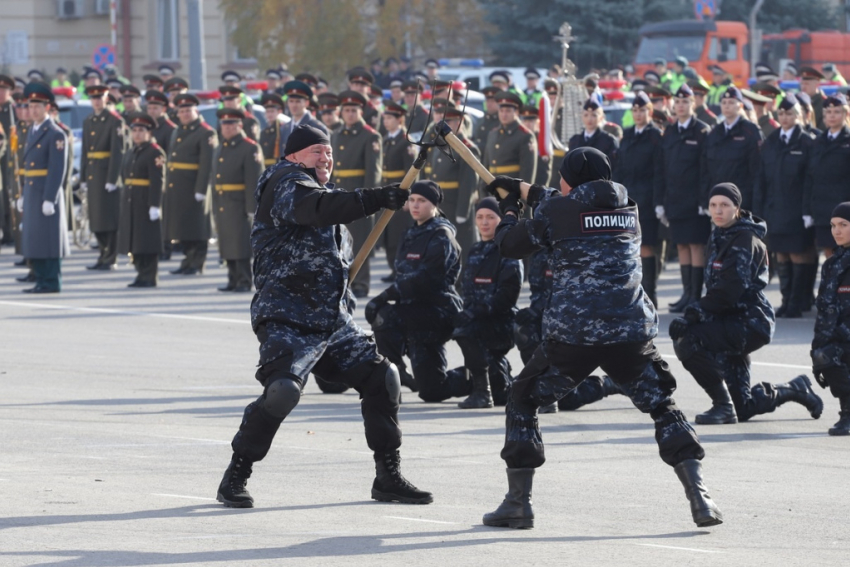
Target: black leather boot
x=391, y=486
x=232, y=491
x=407, y=380
x=648, y=282
x=685, y=300
x=697, y=277
x=784, y=271
x=722, y=411
x=703, y=509
x=800, y=390
x=842, y=426
x=811, y=271
x=480, y=398
x=515, y=510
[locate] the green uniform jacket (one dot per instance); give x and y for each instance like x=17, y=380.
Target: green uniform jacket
x=189, y=165
x=100, y=163
x=397, y=158
x=162, y=133
x=237, y=165
x=483, y=128
x=144, y=179
x=357, y=157
x=250, y=126
x=768, y=125
x=417, y=122
x=270, y=142
x=511, y=150
x=817, y=109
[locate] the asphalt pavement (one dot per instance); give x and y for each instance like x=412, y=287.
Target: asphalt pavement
x=118, y=406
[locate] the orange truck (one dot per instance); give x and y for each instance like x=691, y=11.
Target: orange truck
x=705, y=43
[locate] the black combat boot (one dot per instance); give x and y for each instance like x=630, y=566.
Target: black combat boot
x=799, y=292
x=800, y=390
x=232, y=491
x=785, y=270
x=406, y=379
x=685, y=300
x=515, y=510
x=842, y=426
x=391, y=486
x=480, y=398
x=722, y=411
x=703, y=509
x=649, y=279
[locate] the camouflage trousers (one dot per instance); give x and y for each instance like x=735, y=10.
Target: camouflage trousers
x=556, y=368
x=719, y=351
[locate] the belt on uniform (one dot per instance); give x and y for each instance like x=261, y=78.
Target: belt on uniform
x=230, y=187
x=99, y=155
x=559, y=153
x=504, y=169
x=270, y=161
x=448, y=184
x=394, y=174
x=34, y=173
x=182, y=165
x=138, y=182
x=350, y=172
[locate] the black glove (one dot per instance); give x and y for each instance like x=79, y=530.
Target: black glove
x=692, y=315
x=510, y=204
x=392, y=196
x=509, y=184
x=463, y=318
x=375, y=305
x=678, y=328
x=527, y=316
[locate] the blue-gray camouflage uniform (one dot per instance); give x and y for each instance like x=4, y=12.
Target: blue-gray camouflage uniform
x=733, y=319
x=301, y=312
x=419, y=322
x=597, y=316
x=491, y=284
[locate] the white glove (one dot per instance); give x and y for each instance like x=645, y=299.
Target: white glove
x=48, y=209
x=199, y=197
x=19, y=204
x=110, y=187
x=461, y=220
x=808, y=221
x=153, y=213
x=702, y=212
x=84, y=186
x=661, y=215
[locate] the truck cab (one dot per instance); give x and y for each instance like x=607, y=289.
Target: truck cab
x=703, y=43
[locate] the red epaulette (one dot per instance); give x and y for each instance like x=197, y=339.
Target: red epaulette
x=249, y=140
x=370, y=129
x=169, y=122
x=156, y=146
x=710, y=113
x=468, y=143
x=524, y=129
x=207, y=126
x=116, y=115
x=774, y=123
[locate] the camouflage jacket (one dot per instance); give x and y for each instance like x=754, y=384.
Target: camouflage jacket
x=833, y=319
x=736, y=275
x=427, y=266
x=491, y=283
x=300, y=259
x=593, y=237
x=539, y=280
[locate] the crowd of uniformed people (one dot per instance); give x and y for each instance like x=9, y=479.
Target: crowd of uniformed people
x=742, y=181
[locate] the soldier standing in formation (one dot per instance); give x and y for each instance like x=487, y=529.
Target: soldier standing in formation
x=140, y=230
x=357, y=163
x=778, y=199
x=100, y=167
x=271, y=135
x=8, y=212
x=189, y=165
x=298, y=95
x=511, y=148
x=592, y=117
x=398, y=158
x=413, y=103
x=44, y=235
x=156, y=105
x=679, y=200
x=490, y=120
x=810, y=79
x=237, y=164
x=530, y=116
x=231, y=97
x=458, y=182
x=329, y=112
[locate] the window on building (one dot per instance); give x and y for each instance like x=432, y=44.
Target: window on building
x=236, y=54
x=168, y=30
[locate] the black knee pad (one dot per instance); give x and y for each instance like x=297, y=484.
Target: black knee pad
x=281, y=396
x=386, y=319
x=526, y=336
x=392, y=380
x=686, y=347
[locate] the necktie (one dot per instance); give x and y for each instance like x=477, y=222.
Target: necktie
x=785, y=138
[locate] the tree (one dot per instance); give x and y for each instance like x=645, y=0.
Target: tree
x=606, y=33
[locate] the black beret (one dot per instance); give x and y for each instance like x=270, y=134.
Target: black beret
x=428, y=189
x=583, y=165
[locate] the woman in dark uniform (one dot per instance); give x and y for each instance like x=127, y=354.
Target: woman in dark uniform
x=778, y=199
x=715, y=337
x=593, y=117
x=484, y=329
x=640, y=166
x=831, y=345
x=419, y=321
x=829, y=172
